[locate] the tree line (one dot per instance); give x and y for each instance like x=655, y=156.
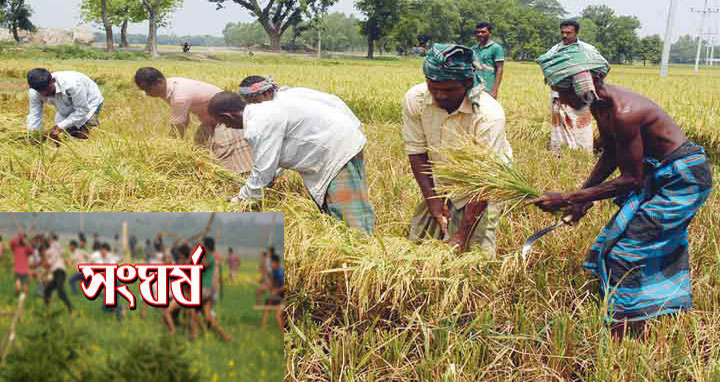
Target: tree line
x=525, y=28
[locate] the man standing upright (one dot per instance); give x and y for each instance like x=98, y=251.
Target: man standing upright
x=489, y=58
x=441, y=113
x=76, y=97
x=570, y=127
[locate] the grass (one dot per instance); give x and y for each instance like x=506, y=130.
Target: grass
x=254, y=355
x=382, y=308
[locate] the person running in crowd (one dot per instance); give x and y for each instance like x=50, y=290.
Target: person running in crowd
x=53, y=261
x=105, y=256
x=277, y=292
x=132, y=242
x=78, y=256
x=148, y=250
x=233, y=261
x=96, y=242
x=22, y=251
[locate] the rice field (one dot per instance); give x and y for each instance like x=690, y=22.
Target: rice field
x=383, y=308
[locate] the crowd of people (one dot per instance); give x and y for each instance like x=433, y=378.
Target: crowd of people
x=263, y=129
x=44, y=261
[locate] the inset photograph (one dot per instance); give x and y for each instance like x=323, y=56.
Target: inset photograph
x=141, y=296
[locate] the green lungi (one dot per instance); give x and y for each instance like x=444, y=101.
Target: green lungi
x=347, y=199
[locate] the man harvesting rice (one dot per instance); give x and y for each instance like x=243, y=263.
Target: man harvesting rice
x=256, y=89
x=321, y=143
x=76, y=97
x=641, y=256
x=186, y=96
x=441, y=113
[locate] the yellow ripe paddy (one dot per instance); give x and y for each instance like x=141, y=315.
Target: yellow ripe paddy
x=382, y=308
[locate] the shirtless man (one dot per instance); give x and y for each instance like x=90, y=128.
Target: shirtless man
x=642, y=254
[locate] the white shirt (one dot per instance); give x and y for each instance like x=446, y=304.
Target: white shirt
x=54, y=258
x=110, y=258
x=76, y=100
x=79, y=256
x=426, y=125
x=300, y=134
x=328, y=99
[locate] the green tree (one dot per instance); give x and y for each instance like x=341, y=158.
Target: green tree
x=340, y=33
x=15, y=15
x=119, y=13
x=157, y=13
x=615, y=36
x=650, y=49
x=277, y=16
x=381, y=16
x=548, y=7
x=244, y=34
x=683, y=50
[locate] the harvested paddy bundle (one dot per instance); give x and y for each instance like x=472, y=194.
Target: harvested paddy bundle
x=475, y=170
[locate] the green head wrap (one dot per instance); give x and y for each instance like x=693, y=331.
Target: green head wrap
x=449, y=62
x=571, y=66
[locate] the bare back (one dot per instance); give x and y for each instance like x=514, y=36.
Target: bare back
x=625, y=111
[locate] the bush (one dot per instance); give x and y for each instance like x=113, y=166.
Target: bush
x=52, y=351
x=158, y=359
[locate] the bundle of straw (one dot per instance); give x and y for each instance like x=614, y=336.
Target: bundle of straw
x=473, y=169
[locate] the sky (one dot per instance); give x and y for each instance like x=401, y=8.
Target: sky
x=201, y=17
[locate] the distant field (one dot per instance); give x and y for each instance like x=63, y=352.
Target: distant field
x=383, y=308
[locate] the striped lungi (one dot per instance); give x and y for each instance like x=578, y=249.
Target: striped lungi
x=347, y=199
x=641, y=257
x=228, y=146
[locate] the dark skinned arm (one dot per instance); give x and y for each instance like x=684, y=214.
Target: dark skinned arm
x=499, y=65
x=628, y=154
x=421, y=168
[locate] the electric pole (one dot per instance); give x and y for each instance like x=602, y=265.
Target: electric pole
x=668, y=38
x=704, y=13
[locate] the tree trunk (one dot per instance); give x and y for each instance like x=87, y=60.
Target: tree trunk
x=275, y=40
x=109, y=44
x=14, y=30
x=123, y=35
x=152, y=35
x=109, y=39
x=371, y=48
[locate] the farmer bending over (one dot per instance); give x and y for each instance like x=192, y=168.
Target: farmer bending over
x=76, y=97
x=441, y=113
x=642, y=254
x=321, y=143
x=185, y=97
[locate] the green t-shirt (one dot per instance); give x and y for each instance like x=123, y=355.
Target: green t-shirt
x=485, y=59
x=207, y=273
